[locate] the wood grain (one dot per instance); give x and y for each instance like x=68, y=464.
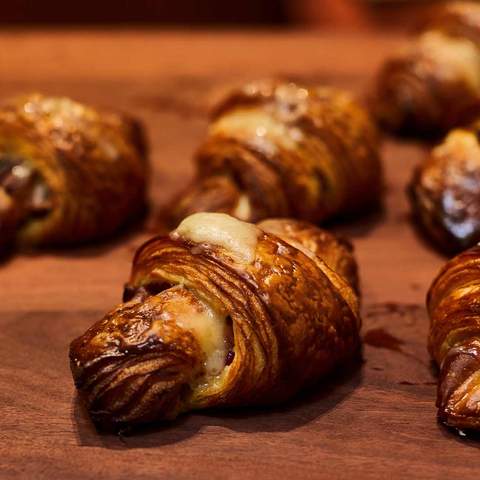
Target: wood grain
x=376, y=421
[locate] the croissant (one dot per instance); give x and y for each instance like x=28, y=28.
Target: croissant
x=220, y=313
x=68, y=173
x=433, y=84
x=277, y=149
x=445, y=191
x=454, y=342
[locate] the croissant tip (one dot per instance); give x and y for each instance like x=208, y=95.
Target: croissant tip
x=463, y=421
x=458, y=397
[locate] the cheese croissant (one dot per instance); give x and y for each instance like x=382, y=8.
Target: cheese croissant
x=454, y=342
x=445, y=191
x=277, y=149
x=68, y=173
x=433, y=84
x=220, y=313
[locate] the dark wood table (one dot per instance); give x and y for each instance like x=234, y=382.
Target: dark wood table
x=377, y=421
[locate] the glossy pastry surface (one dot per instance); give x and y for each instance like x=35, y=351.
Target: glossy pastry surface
x=454, y=342
x=336, y=252
x=433, y=84
x=445, y=191
x=68, y=173
x=278, y=149
x=220, y=313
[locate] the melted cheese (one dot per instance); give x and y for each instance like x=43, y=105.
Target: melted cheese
x=237, y=237
x=460, y=54
x=462, y=142
x=258, y=128
x=209, y=328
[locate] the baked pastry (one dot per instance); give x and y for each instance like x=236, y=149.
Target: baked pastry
x=220, y=313
x=335, y=251
x=433, y=84
x=68, y=173
x=445, y=191
x=454, y=342
x=277, y=149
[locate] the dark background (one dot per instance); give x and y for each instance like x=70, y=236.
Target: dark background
x=353, y=14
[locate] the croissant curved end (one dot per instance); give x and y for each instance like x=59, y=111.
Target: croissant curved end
x=432, y=84
x=453, y=303
x=444, y=189
x=458, y=397
x=136, y=364
x=24, y=195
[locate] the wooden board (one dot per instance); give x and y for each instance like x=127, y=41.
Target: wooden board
x=376, y=421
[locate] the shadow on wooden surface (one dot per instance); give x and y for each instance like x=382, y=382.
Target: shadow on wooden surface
x=300, y=411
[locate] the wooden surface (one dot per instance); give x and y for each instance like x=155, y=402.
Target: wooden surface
x=377, y=421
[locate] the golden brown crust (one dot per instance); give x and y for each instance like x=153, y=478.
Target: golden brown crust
x=293, y=320
x=424, y=89
x=92, y=162
x=445, y=191
x=454, y=341
x=336, y=252
x=290, y=151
